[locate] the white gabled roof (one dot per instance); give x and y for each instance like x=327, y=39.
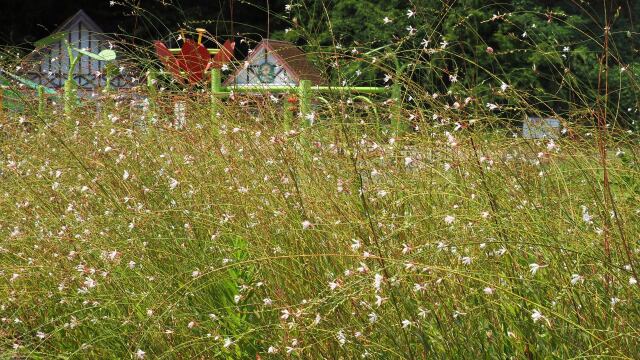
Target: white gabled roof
x=79, y=17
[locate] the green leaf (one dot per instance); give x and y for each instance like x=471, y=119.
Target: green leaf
x=29, y=83
x=104, y=55
x=53, y=38
x=108, y=55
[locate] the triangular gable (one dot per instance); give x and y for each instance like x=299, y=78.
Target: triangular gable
x=79, y=21
x=49, y=63
x=275, y=63
x=81, y=17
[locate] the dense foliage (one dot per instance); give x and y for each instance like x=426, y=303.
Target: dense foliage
x=553, y=51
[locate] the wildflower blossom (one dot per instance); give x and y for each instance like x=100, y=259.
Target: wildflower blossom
x=614, y=301
x=173, y=183
x=373, y=317
x=406, y=249
x=536, y=315
x=534, y=267
x=575, y=278
x=377, y=282
x=586, y=217
x=333, y=285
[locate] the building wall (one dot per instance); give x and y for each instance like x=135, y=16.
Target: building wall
x=50, y=66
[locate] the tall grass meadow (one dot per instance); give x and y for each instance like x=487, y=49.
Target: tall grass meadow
x=416, y=224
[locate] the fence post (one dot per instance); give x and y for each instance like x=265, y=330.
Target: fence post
x=69, y=96
x=216, y=89
x=304, y=93
x=42, y=101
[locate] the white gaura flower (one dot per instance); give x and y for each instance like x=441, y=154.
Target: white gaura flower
x=125, y=175
x=410, y=13
x=449, y=219
x=173, y=183
x=310, y=118
x=575, y=278
x=504, y=86
x=586, y=217
x=267, y=301
x=534, y=267
x=272, y=350
x=333, y=285
x=406, y=323
x=89, y=283
x=377, y=282
x=407, y=161
x=373, y=317
x=632, y=281
x=386, y=20
x=227, y=343
x=140, y=354
x=306, y=224
x=466, y=260
x=419, y=287
x=342, y=338
x=536, y=315
x=356, y=244
x=488, y=291
x=406, y=249
x=285, y=314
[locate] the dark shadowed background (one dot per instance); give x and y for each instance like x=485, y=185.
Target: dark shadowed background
x=25, y=21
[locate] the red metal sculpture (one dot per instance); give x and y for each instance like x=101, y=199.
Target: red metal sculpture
x=193, y=60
